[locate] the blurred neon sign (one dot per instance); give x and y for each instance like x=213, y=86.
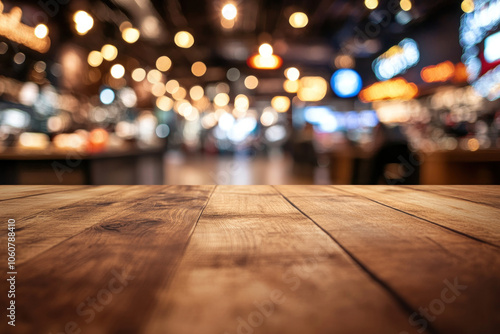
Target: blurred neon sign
x=483, y=63
x=492, y=48
x=398, y=59
x=326, y=120
x=12, y=29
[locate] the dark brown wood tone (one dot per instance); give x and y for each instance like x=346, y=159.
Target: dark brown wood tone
x=253, y=259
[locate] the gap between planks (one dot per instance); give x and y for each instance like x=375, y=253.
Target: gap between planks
x=402, y=303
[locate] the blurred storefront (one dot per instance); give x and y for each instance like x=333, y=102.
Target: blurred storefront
x=223, y=92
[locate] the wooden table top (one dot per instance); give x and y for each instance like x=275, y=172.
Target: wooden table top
x=253, y=259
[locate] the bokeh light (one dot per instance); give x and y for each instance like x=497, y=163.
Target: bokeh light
x=117, y=71
x=199, y=69
x=131, y=35
x=95, y=58
x=41, y=31
x=251, y=82
x=229, y=11
x=298, y=20
x=183, y=39
x=109, y=52
x=163, y=63
x=83, y=22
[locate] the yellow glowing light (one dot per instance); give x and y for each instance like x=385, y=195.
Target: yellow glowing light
x=405, y=5
x=312, y=89
x=291, y=86
x=199, y=69
x=41, y=31
x=298, y=20
x=251, y=82
x=179, y=94
x=138, y=74
x=371, y=4
x=280, y=103
x=109, y=52
x=164, y=103
x=131, y=35
x=183, y=39
x=94, y=59
x=117, y=71
x=265, y=63
x=154, y=76
x=84, y=22
x=221, y=99
x=266, y=50
x=292, y=73
x=172, y=86
x=196, y=93
x=158, y=89
x=229, y=11
x=468, y=6
x=163, y=63
x=241, y=102
x=34, y=140
x=13, y=29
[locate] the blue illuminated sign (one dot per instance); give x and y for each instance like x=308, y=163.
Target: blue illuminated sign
x=397, y=59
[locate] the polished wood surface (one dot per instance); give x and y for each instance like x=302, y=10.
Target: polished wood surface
x=254, y=259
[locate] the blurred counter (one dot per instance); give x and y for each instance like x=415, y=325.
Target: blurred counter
x=137, y=166
x=460, y=167
x=431, y=168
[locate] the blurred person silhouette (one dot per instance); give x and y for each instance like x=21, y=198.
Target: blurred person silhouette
x=393, y=162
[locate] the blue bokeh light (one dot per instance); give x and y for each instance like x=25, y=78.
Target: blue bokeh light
x=107, y=96
x=346, y=83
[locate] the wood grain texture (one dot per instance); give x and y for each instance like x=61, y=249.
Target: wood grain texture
x=472, y=219
x=487, y=195
x=144, y=241
x=413, y=257
x=251, y=245
x=254, y=259
x=47, y=228
x=16, y=192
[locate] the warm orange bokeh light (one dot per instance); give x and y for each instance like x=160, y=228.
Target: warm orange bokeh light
x=271, y=62
x=438, y=73
x=397, y=88
x=97, y=140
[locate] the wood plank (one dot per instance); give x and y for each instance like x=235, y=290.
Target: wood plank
x=252, y=248
x=88, y=277
x=36, y=230
x=417, y=259
x=475, y=220
x=16, y=192
x=487, y=195
x=30, y=206
x=39, y=232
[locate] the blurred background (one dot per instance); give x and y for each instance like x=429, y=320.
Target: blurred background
x=249, y=92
